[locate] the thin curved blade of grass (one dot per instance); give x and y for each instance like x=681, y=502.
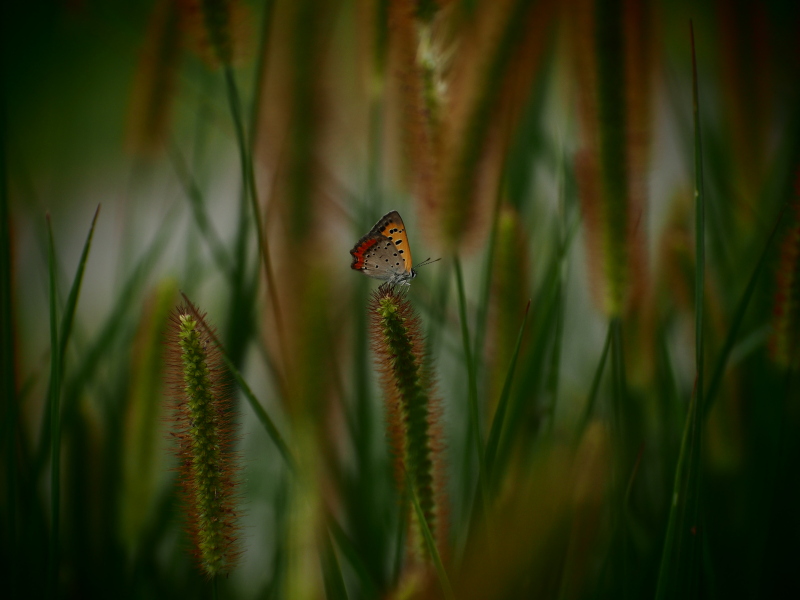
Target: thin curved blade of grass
x=543, y=325
x=444, y=582
x=262, y=415
x=598, y=376
x=55, y=417
x=619, y=380
x=738, y=317
x=502, y=404
x=203, y=222
x=260, y=69
x=68, y=317
x=675, y=577
x=127, y=298
x=8, y=369
x=109, y=332
x=368, y=585
x=555, y=358
x=72, y=299
x=472, y=383
x=482, y=313
x=335, y=588
x=251, y=193
x=555, y=363
x=619, y=557
x=58, y=341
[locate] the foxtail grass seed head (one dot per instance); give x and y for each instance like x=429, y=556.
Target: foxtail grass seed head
x=219, y=29
x=500, y=47
x=156, y=81
x=785, y=342
x=614, y=109
x=412, y=411
x=204, y=439
x=416, y=68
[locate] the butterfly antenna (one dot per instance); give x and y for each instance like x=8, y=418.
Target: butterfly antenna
x=426, y=262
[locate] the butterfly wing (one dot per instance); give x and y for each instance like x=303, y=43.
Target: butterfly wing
x=384, y=253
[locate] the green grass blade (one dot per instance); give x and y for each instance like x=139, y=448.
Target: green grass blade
x=55, y=419
x=201, y=218
x=677, y=569
x=68, y=317
x=335, y=588
x=264, y=418
x=8, y=359
x=618, y=378
x=622, y=430
x=251, y=192
x=368, y=586
x=109, y=333
x=472, y=383
x=444, y=581
x=555, y=358
x=700, y=227
x=482, y=312
x=545, y=304
x=555, y=362
x=592, y=399
x=260, y=69
x=502, y=404
x=738, y=316
x=72, y=299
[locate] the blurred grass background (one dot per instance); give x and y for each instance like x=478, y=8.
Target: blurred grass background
x=548, y=152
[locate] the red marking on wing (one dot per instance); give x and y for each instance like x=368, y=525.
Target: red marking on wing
x=358, y=252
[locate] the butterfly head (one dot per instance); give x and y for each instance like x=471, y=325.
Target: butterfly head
x=403, y=278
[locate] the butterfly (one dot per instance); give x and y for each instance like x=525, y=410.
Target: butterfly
x=384, y=253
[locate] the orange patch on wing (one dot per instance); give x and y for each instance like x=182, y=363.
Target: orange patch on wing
x=358, y=253
x=396, y=231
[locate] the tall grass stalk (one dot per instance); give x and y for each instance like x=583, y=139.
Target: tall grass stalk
x=678, y=562
x=204, y=439
x=412, y=414
x=588, y=410
x=8, y=360
x=498, y=422
x=55, y=422
x=472, y=384
x=430, y=543
x=738, y=316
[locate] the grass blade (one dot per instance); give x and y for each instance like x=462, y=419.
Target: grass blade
x=368, y=586
x=72, y=299
x=264, y=418
x=251, y=191
x=472, y=383
x=335, y=588
x=444, y=582
x=543, y=324
x=8, y=359
x=502, y=403
x=201, y=218
x=109, y=332
x=468, y=358
x=598, y=376
x=677, y=569
x=738, y=317
x=55, y=418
